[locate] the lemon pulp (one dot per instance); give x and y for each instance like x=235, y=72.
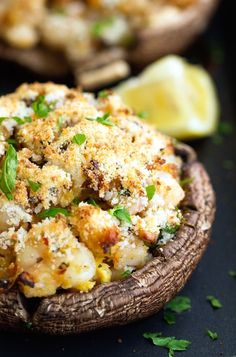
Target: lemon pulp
x=177, y=97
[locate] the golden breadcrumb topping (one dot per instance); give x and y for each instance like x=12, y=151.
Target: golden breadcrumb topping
x=87, y=189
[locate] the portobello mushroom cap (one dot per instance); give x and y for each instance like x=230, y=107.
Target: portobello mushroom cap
x=145, y=292
x=112, y=64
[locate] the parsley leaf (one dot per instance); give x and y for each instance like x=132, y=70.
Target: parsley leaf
x=142, y=115
x=2, y=119
x=170, y=343
x=217, y=139
x=225, y=128
x=150, y=190
x=60, y=122
x=103, y=120
x=179, y=304
x=126, y=273
x=232, y=273
x=21, y=121
x=213, y=335
x=52, y=212
x=170, y=229
x=79, y=139
x=103, y=93
x=11, y=141
x=40, y=107
x=215, y=303
x=18, y=120
x=99, y=27
x=186, y=181
x=35, y=186
x=169, y=317
x=76, y=201
x=121, y=213
x=228, y=164
x=92, y=202
x=8, y=177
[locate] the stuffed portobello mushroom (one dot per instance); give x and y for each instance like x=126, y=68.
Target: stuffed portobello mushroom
x=97, y=39
x=102, y=218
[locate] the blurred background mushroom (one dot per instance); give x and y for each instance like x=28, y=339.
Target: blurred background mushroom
x=97, y=40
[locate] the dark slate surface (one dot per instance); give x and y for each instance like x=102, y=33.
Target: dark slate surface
x=216, y=50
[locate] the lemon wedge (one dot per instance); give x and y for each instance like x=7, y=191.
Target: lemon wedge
x=177, y=97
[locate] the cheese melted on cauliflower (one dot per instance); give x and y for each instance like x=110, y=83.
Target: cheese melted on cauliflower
x=79, y=28
x=94, y=188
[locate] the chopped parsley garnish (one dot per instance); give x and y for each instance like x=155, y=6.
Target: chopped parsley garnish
x=121, y=213
x=35, y=186
x=59, y=10
x=79, y=139
x=170, y=343
x=169, y=317
x=53, y=212
x=40, y=107
x=21, y=121
x=215, y=303
x=103, y=120
x=8, y=176
x=217, y=139
x=11, y=141
x=99, y=27
x=170, y=229
x=232, y=273
x=177, y=305
x=92, y=202
x=150, y=190
x=217, y=54
x=126, y=274
x=76, y=201
x=60, y=122
x=186, y=181
x=228, y=164
x=213, y=335
x=142, y=115
x=225, y=128
x=18, y=120
x=103, y=93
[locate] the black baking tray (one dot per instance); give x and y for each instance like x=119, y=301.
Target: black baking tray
x=215, y=50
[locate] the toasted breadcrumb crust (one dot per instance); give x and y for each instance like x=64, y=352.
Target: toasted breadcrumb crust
x=80, y=28
x=106, y=221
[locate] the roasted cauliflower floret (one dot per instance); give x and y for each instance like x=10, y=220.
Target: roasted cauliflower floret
x=52, y=258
